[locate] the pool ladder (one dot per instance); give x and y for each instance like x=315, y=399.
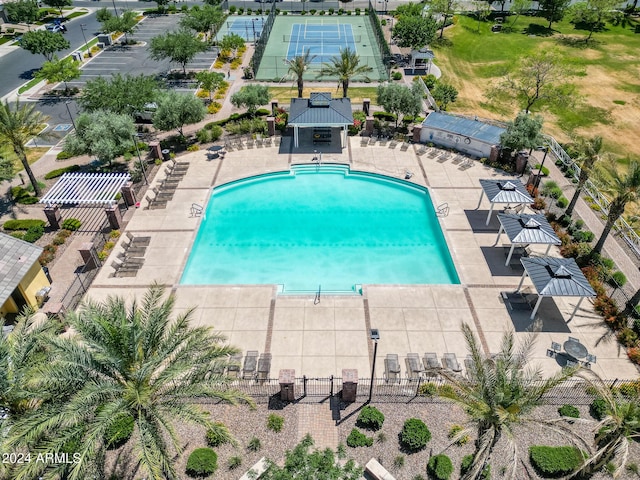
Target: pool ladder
x=196, y=210
x=316, y=300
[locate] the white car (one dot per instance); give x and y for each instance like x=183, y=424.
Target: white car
x=55, y=28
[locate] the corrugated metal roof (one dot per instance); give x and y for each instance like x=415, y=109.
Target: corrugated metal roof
x=505, y=190
x=16, y=258
x=560, y=277
x=528, y=229
x=337, y=112
x=465, y=127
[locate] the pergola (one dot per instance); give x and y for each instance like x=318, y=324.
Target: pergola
x=556, y=277
x=526, y=229
x=88, y=189
x=320, y=111
x=507, y=191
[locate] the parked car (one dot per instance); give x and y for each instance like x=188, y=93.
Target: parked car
x=56, y=27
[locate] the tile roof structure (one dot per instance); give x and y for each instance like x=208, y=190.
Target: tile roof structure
x=16, y=258
x=320, y=110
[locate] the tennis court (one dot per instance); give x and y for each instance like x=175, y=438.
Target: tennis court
x=324, y=37
x=248, y=27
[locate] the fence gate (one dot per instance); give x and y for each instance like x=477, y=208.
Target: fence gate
x=316, y=390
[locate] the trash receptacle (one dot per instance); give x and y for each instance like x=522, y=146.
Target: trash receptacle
x=166, y=154
x=47, y=274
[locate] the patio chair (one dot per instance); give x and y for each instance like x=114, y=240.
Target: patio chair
x=393, y=144
x=196, y=210
x=249, y=143
x=118, y=265
x=574, y=339
x=250, y=363
x=125, y=257
x=450, y=362
x=264, y=367
x=591, y=358
x=443, y=210
x=364, y=141
x=422, y=150
x=414, y=367
x=571, y=363
x=391, y=368
x=266, y=142
x=234, y=365
x=430, y=360
x=137, y=241
x=556, y=347
x=404, y=147
x=383, y=141
x=372, y=140
x=277, y=141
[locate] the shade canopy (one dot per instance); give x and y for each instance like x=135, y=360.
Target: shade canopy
x=556, y=277
x=504, y=190
x=526, y=229
x=86, y=189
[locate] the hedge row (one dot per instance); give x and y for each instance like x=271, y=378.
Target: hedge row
x=553, y=462
x=25, y=224
x=58, y=172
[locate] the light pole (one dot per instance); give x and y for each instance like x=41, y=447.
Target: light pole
x=114, y=8
x=144, y=172
x=546, y=151
x=82, y=27
x=66, y=104
x=253, y=25
x=375, y=336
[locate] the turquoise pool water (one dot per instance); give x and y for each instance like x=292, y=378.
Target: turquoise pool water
x=319, y=226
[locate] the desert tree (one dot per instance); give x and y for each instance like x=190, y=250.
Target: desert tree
x=175, y=110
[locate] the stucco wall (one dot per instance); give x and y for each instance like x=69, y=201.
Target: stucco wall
x=33, y=281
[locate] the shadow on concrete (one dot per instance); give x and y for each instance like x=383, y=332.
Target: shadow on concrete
x=495, y=258
x=548, y=318
x=477, y=219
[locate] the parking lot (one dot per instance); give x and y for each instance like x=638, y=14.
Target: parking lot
x=135, y=59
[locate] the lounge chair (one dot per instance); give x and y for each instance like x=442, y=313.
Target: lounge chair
x=422, y=150
x=264, y=367
x=250, y=363
x=392, y=144
x=364, y=141
x=137, y=241
x=414, y=366
x=404, y=147
x=372, y=140
x=450, y=362
x=234, y=366
x=391, y=368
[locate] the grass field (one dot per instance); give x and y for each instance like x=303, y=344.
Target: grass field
x=33, y=154
x=356, y=94
x=609, y=83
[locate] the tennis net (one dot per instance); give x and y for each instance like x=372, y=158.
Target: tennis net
x=323, y=38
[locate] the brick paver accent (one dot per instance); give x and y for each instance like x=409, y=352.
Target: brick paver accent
x=316, y=420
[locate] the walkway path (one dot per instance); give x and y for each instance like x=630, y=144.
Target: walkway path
x=316, y=420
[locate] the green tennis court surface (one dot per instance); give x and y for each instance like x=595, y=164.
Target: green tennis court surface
x=249, y=27
x=323, y=37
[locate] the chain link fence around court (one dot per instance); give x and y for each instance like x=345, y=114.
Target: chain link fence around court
x=404, y=390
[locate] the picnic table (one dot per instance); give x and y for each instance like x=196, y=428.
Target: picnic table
x=575, y=349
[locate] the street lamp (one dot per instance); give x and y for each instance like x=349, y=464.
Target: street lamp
x=82, y=27
x=375, y=336
x=144, y=172
x=66, y=104
x=253, y=25
x=115, y=9
x=546, y=151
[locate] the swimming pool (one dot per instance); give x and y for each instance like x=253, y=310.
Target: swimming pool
x=319, y=226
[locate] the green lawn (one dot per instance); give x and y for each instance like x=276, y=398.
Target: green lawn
x=33, y=155
x=607, y=81
x=284, y=94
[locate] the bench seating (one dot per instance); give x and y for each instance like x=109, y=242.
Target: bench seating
x=377, y=471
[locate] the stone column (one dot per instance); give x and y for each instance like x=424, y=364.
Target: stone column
x=156, y=151
x=494, y=155
x=417, y=130
x=128, y=194
x=53, y=216
x=274, y=106
x=88, y=254
x=287, y=379
x=349, y=384
x=368, y=126
x=366, y=106
x=114, y=217
x=521, y=161
x=271, y=126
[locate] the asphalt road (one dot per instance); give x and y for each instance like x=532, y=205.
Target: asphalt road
x=18, y=66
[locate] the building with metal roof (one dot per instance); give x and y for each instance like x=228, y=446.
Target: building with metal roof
x=323, y=114
x=556, y=277
x=471, y=137
x=22, y=281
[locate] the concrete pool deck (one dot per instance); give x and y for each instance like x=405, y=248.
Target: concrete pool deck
x=321, y=339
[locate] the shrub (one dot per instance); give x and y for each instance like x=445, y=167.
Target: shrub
x=455, y=430
x=275, y=422
x=569, y=411
x=218, y=435
x=544, y=170
x=440, y=467
x=358, y=439
x=62, y=156
x=598, y=408
x=234, y=462
x=634, y=355
x=562, y=202
x=58, y=172
x=370, y=418
x=119, y=431
x=33, y=233
x=551, y=462
x=430, y=389
x=389, y=117
x=193, y=148
x=381, y=438
x=21, y=195
x=254, y=444
x=584, y=236
x=630, y=389
x=396, y=76
x=232, y=9
x=202, y=462
x=398, y=462
x=71, y=224
x=22, y=224
x=618, y=279
x=465, y=465
x=415, y=435
x=627, y=337
x=58, y=240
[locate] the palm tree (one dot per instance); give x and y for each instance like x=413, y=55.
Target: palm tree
x=297, y=66
x=614, y=432
x=17, y=126
x=345, y=66
x=132, y=364
x=624, y=189
x=590, y=152
x=500, y=393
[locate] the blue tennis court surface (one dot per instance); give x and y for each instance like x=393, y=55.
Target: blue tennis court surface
x=249, y=28
x=324, y=41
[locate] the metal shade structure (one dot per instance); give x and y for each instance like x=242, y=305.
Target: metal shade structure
x=504, y=190
x=556, y=277
x=526, y=229
x=86, y=189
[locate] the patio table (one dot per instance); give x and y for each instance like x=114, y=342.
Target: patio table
x=575, y=349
